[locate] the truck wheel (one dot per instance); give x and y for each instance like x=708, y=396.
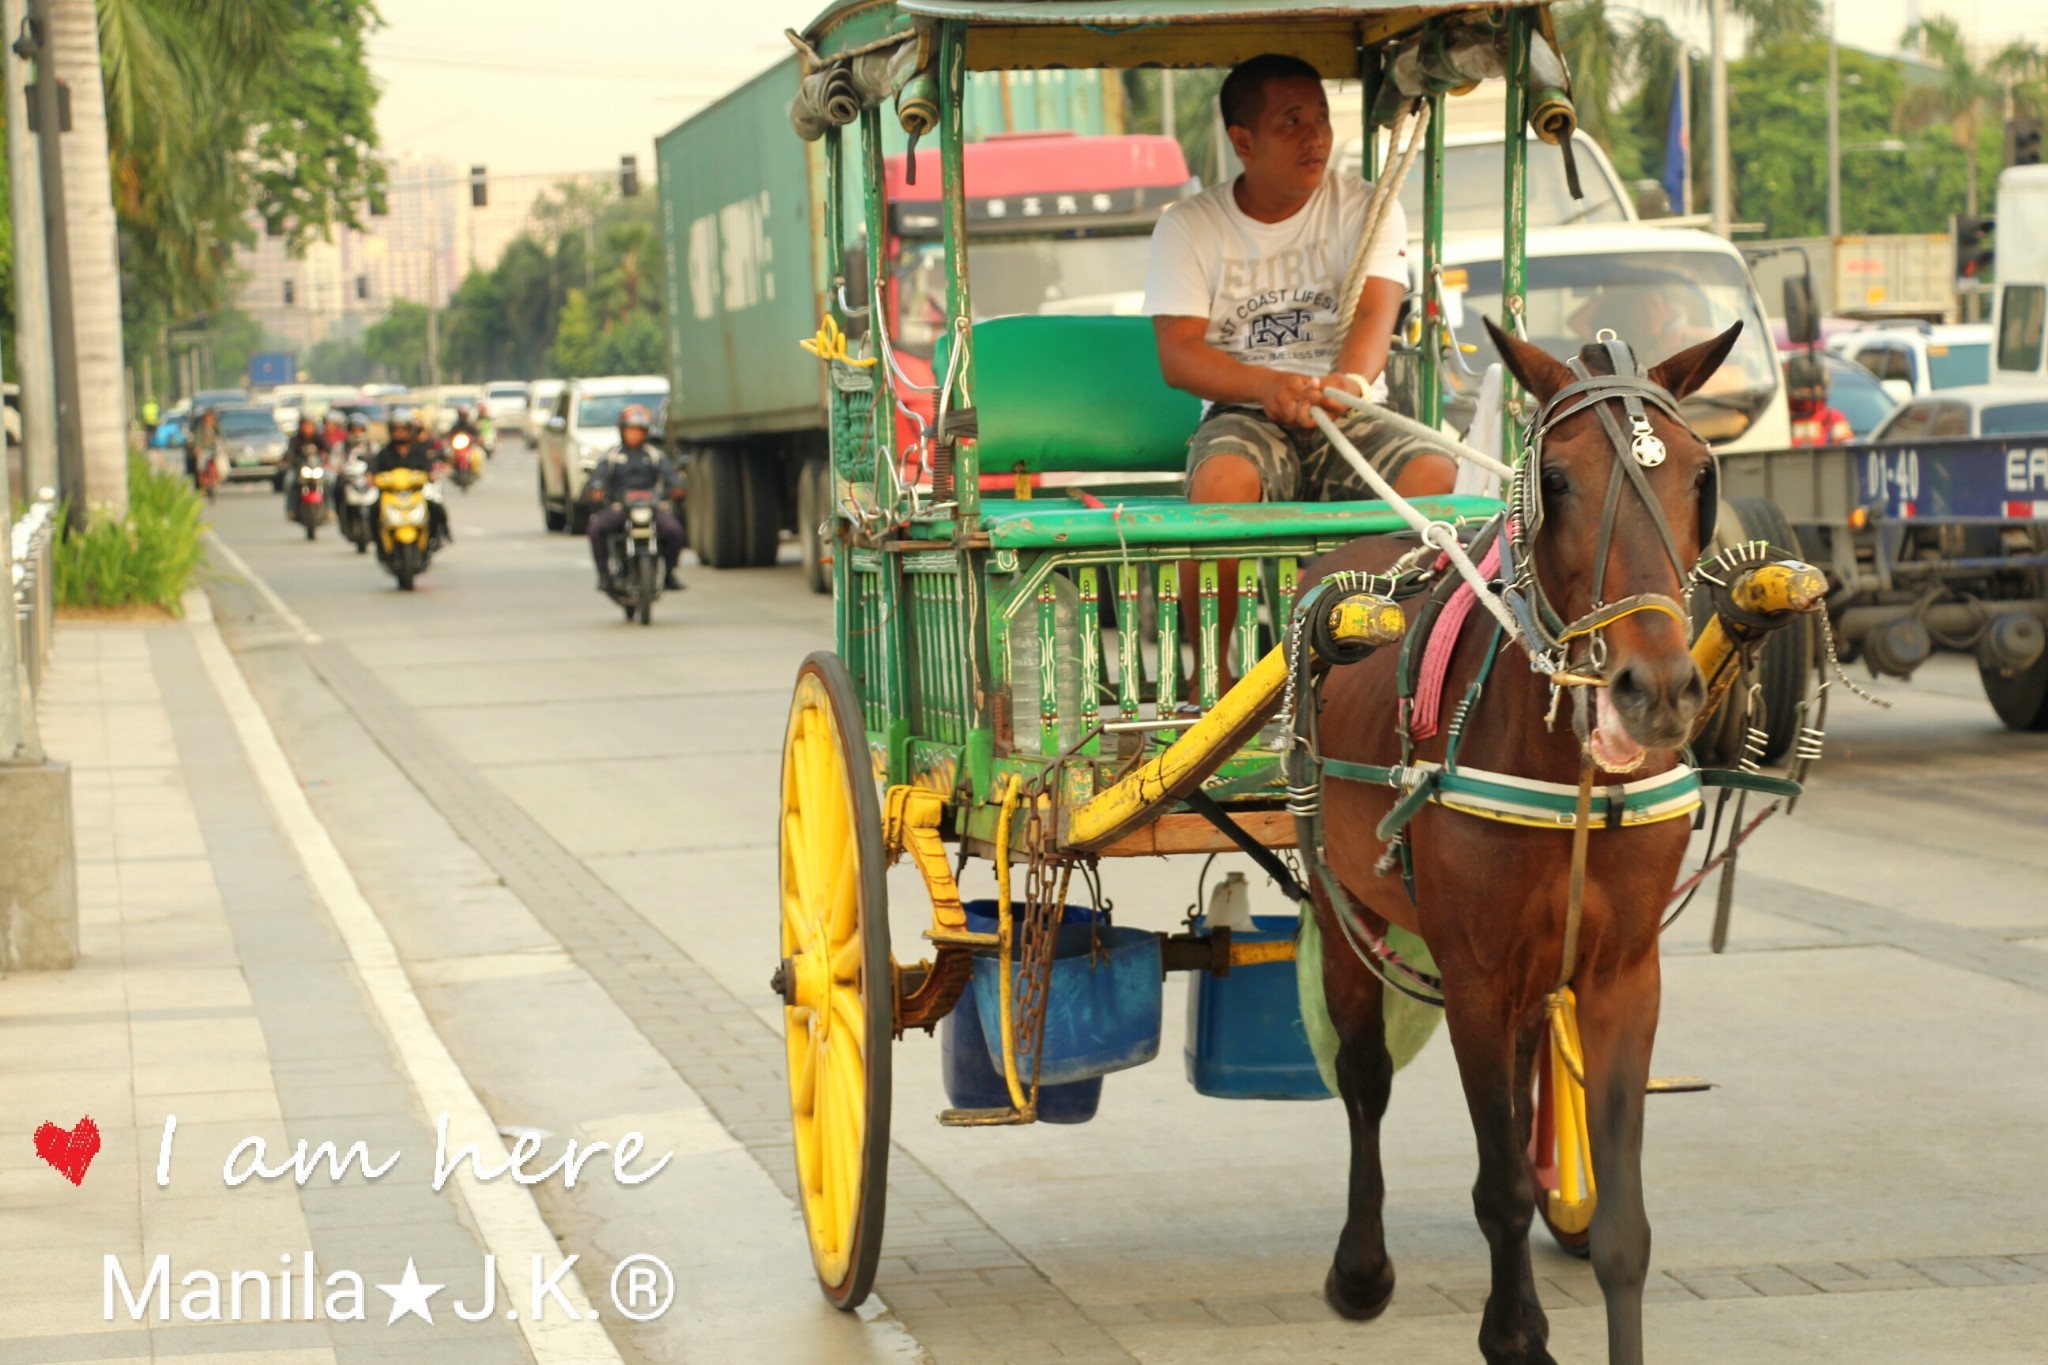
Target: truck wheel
x=761, y=478
x=549, y=517
x=2020, y=699
x=1785, y=667
x=713, y=526
x=813, y=506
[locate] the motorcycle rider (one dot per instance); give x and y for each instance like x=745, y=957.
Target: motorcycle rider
x=465, y=425
x=305, y=447
x=333, y=432
x=406, y=450
x=1815, y=421
x=633, y=466
x=202, y=443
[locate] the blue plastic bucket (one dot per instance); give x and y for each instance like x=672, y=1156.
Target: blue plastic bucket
x=1246, y=1040
x=974, y=1082
x=1102, y=1014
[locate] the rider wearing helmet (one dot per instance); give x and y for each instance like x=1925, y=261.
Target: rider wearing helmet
x=408, y=450
x=304, y=448
x=1815, y=422
x=634, y=466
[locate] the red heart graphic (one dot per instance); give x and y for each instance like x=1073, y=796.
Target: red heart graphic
x=69, y=1152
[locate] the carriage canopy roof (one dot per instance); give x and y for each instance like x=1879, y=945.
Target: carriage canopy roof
x=1022, y=34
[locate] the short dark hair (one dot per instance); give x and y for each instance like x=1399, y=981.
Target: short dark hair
x=1243, y=96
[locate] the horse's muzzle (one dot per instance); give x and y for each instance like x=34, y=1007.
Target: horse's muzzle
x=1657, y=699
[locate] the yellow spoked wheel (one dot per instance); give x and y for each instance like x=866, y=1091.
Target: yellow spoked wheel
x=836, y=978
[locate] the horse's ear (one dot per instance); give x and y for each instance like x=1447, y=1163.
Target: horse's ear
x=1538, y=372
x=1683, y=373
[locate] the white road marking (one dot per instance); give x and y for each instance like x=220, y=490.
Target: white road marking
x=263, y=590
x=505, y=1213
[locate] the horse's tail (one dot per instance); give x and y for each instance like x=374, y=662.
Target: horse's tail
x=1409, y=1022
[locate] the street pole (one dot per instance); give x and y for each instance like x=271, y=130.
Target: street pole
x=1718, y=111
x=33, y=352
x=11, y=688
x=57, y=242
x=1166, y=119
x=1834, y=134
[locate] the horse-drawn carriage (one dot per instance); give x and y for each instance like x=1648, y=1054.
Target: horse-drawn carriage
x=1413, y=707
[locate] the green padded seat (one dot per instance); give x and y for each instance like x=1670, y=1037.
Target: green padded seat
x=1083, y=395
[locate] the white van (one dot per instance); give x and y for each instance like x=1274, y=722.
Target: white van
x=505, y=403
x=540, y=401
x=2020, y=316
x=1661, y=289
x=581, y=427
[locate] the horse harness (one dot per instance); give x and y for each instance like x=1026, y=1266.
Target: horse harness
x=1550, y=643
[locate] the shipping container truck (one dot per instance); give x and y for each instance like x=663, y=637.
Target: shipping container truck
x=1061, y=209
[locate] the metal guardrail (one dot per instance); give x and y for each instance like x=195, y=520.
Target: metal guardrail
x=34, y=584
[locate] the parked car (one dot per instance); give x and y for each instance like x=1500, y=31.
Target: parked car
x=540, y=403
x=582, y=426
x=1956, y=414
x=1921, y=357
x=505, y=401
x=251, y=440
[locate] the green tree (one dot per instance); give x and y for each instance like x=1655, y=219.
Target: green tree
x=339, y=360
x=398, y=342
x=577, y=349
x=1956, y=101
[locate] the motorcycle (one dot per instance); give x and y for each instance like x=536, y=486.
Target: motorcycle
x=633, y=568
x=311, y=510
x=405, y=524
x=466, y=459
x=355, y=510
x=212, y=469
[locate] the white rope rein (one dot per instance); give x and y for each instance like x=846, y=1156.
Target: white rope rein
x=1441, y=535
x=1385, y=191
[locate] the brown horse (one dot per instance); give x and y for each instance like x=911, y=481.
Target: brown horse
x=1490, y=898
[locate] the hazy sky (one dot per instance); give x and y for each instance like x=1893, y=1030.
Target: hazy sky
x=533, y=86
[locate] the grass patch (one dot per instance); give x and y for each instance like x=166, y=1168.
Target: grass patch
x=147, y=558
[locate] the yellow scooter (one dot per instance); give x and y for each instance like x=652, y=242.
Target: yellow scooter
x=404, y=524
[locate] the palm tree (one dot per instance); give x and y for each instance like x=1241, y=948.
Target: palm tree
x=2023, y=69
x=150, y=82
x=1957, y=98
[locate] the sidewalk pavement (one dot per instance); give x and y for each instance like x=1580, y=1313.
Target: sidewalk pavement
x=212, y=984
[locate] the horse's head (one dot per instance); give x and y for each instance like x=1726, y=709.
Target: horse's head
x=1598, y=552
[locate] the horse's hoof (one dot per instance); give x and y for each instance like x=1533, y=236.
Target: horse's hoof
x=1359, y=1307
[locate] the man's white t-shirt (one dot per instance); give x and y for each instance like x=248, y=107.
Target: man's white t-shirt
x=1269, y=290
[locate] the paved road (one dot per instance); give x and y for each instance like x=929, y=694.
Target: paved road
x=567, y=823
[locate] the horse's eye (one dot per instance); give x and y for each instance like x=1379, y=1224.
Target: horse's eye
x=1555, y=482
x=1699, y=480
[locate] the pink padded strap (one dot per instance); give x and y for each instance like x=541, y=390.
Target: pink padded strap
x=1436, y=653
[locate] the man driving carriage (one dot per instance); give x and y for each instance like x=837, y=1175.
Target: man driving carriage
x=1243, y=295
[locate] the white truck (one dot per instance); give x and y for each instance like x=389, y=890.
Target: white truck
x=2020, y=316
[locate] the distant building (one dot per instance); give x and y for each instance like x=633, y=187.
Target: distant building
x=420, y=249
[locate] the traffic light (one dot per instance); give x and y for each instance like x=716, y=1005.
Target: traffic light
x=2023, y=142
x=1973, y=248
x=289, y=293
x=479, y=189
x=629, y=175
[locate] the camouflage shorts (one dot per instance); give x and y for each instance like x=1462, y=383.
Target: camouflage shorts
x=1298, y=465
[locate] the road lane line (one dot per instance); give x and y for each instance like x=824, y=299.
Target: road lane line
x=264, y=590
x=506, y=1215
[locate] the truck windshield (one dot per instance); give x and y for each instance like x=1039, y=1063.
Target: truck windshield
x=1958, y=363
x=1103, y=274
x=1472, y=190
x=1658, y=302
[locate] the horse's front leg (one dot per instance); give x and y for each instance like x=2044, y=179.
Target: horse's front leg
x=1494, y=1059
x=1617, y=1026
x=1361, y=1279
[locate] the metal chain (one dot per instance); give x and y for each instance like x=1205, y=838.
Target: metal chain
x=1045, y=897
